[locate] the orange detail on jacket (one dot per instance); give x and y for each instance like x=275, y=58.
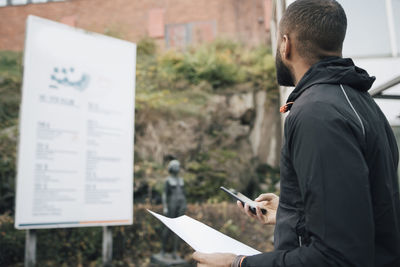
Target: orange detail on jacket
x=285, y=107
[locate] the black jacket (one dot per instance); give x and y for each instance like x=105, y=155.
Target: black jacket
x=339, y=202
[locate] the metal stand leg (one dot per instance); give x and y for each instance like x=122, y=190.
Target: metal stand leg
x=107, y=246
x=30, y=248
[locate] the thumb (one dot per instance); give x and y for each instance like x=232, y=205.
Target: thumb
x=265, y=196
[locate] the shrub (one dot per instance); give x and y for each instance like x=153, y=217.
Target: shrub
x=11, y=65
x=132, y=245
x=9, y=102
x=8, y=146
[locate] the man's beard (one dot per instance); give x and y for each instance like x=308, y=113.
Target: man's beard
x=283, y=74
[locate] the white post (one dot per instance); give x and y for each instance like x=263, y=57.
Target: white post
x=280, y=7
x=392, y=32
x=107, y=246
x=30, y=248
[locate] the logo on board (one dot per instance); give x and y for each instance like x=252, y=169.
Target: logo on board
x=68, y=77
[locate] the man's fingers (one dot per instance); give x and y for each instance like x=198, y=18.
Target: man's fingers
x=262, y=217
x=213, y=259
x=245, y=209
x=259, y=214
x=241, y=207
x=263, y=204
x=248, y=212
x=198, y=256
x=266, y=196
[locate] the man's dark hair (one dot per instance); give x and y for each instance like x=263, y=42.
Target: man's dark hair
x=319, y=27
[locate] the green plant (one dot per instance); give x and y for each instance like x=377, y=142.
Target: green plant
x=171, y=85
x=9, y=102
x=8, y=146
x=133, y=245
x=10, y=65
x=11, y=241
x=146, y=47
x=207, y=63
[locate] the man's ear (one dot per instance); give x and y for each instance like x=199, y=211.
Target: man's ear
x=286, y=47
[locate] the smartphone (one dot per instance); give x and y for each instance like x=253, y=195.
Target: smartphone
x=242, y=198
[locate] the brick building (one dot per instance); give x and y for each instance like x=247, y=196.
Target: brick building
x=172, y=23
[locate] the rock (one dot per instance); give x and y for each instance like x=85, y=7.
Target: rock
x=234, y=134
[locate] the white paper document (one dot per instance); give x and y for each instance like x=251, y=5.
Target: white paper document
x=203, y=238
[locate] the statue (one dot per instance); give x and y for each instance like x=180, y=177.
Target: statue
x=174, y=202
x=174, y=205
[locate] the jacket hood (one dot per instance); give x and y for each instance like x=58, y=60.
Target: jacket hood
x=333, y=70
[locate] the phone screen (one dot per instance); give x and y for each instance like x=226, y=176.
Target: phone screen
x=242, y=198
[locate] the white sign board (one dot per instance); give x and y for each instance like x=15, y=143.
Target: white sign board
x=75, y=156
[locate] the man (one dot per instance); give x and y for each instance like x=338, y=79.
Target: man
x=339, y=202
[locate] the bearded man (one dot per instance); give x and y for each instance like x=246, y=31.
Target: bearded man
x=339, y=201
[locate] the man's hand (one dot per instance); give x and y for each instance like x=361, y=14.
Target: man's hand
x=213, y=259
x=267, y=201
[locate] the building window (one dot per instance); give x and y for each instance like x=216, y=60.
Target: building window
x=25, y=2
x=155, y=25
x=181, y=35
x=19, y=2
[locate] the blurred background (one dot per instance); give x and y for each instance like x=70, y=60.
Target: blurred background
x=206, y=94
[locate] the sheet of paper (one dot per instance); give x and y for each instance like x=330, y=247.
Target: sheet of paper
x=203, y=238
